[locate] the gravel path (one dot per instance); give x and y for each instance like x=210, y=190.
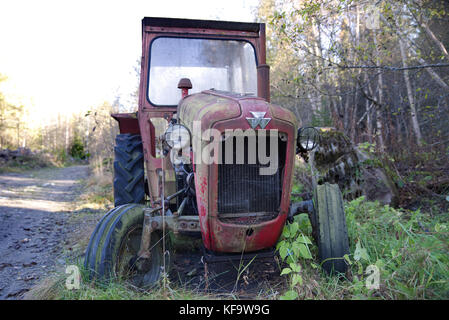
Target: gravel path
x=34, y=208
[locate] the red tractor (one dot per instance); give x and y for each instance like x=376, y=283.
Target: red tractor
x=215, y=163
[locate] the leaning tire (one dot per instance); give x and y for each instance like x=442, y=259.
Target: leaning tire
x=129, y=184
x=329, y=222
x=113, y=246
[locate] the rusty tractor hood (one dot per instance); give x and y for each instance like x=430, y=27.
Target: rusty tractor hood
x=221, y=111
x=212, y=106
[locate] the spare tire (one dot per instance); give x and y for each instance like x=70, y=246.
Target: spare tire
x=329, y=222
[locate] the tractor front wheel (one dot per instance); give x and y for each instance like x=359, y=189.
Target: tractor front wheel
x=114, y=244
x=329, y=224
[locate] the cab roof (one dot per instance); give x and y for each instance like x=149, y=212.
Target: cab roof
x=200, y=24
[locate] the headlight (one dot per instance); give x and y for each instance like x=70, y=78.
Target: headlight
x=177, y=136
x=307, y=139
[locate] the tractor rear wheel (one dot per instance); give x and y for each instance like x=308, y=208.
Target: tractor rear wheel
x=329, y=224
x=114, y=244
x=129, y=183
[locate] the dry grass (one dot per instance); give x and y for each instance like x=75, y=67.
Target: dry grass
x=98, y=193
x=47, y=289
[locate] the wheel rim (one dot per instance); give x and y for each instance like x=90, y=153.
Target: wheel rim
x=139, y=272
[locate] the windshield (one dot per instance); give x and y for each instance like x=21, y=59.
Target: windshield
x=228, y=65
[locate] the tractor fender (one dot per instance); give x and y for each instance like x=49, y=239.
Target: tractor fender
x=127, y=122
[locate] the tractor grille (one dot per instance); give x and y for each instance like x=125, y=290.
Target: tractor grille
x=244, y=194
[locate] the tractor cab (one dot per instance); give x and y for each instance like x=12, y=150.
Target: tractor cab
x=181, y=57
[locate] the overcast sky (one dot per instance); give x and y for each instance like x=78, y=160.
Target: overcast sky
x=69, y=55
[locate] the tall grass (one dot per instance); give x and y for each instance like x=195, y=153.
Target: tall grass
x=409, y=248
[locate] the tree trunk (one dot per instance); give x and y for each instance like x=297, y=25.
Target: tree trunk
x=435, y=39
x=379, y=125
x=413, y=114
x=368, y=122
x=432, y=73
x=67, y=134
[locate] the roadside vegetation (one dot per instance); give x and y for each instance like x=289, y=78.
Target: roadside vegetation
x=407, y=244
x=409, y=248
x=24, y=159
x=54, y=288
x=20, y=161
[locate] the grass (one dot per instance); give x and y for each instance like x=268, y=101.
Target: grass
x=98, y=192
x=54, y=288
x=410, y=248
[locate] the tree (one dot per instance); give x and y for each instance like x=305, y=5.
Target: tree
x=380, y=83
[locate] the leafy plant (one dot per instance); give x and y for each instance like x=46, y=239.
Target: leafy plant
x=293, y=249
x=367, y=147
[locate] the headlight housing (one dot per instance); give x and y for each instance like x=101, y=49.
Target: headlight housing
x=177, y=136
x=308, y=139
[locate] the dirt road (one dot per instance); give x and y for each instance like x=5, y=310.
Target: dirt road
x=34, y=208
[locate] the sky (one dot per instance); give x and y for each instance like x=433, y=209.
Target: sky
x=66, y=56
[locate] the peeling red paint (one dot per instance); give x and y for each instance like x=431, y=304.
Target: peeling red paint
x=203, y=185
x=203, y=211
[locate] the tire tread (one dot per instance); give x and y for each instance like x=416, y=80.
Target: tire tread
x=129, y=175
x=332, y=235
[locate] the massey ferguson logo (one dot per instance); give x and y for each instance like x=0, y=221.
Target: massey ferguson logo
x=258, y=119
